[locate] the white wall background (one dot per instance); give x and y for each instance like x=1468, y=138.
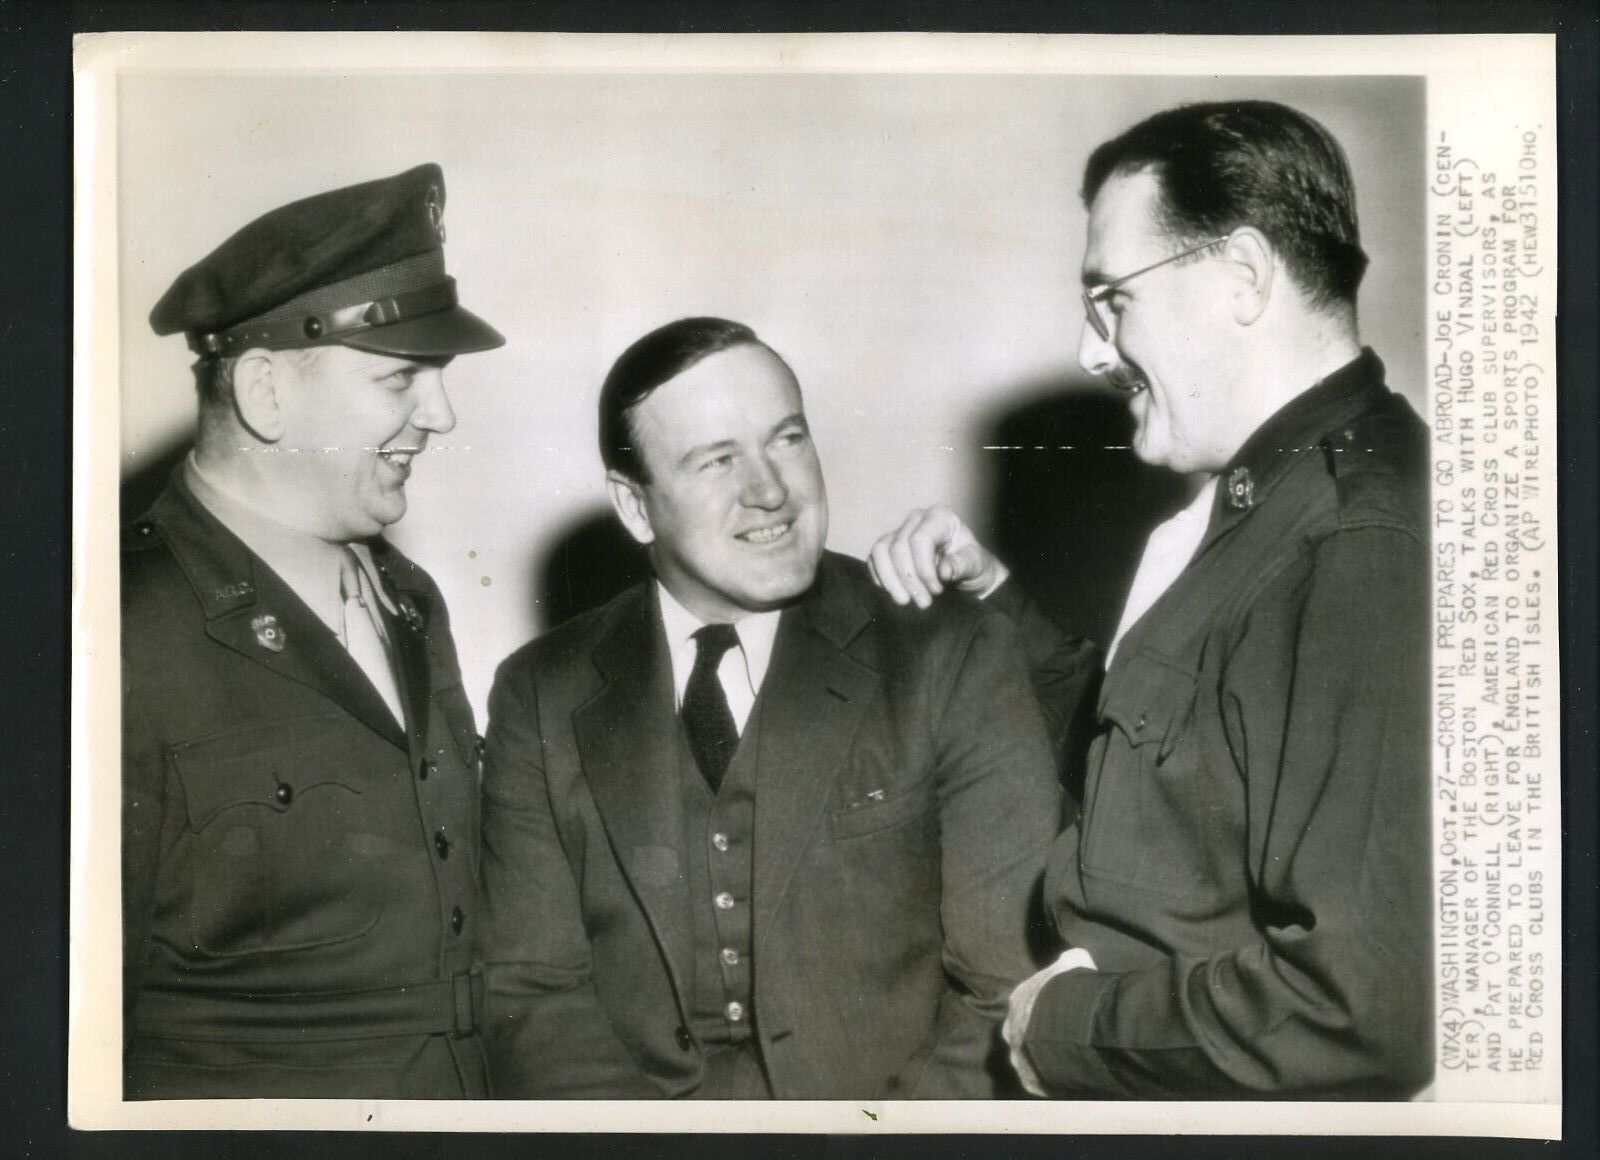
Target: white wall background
x=909, y=243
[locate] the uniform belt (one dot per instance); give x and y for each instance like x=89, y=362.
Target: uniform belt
x=439, y=1006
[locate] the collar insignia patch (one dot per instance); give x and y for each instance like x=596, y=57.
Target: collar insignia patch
x=269, y=633
x=1241, y=489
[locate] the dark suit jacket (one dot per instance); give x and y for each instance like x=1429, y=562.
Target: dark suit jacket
x=293, y=859
x=889, y=929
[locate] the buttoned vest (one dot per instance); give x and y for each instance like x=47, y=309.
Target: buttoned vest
x=718, y=830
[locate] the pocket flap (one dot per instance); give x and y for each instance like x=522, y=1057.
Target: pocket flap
x=1149, y=699
x=264, y=765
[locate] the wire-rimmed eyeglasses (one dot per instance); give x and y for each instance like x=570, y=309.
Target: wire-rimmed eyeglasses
x=1094, y=297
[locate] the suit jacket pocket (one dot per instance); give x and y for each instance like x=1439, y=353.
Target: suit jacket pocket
x=870, y=815
x=278, y=855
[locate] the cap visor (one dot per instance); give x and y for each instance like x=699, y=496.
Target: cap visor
x=445, y=332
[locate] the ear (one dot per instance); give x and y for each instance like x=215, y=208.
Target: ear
x=627, y=497
x=256, y=393
x=1255, y=270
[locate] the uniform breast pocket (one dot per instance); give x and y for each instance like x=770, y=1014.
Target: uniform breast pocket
x=280, y=856
x=1142, y=807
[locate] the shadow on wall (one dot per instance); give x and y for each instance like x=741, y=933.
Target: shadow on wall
x=1069, y=505
x=593, y=560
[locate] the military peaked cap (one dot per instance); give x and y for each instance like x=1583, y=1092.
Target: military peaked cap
x=361, y=266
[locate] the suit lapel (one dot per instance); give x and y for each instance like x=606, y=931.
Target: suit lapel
x=626, y=738
x=252, y=611
x=812, y=701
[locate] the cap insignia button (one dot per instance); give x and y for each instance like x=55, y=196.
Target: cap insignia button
x=1241, y=489
x=269, y=633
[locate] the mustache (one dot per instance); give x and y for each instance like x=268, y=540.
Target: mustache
x=1126, y=378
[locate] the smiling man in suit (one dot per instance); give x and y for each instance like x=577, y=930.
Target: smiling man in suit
x=750, y=830
x=300, y=783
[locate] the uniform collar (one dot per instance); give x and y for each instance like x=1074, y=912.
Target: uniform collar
x=1296, y=429
x=307, y=564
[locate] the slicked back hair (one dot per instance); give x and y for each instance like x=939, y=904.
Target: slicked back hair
x=657, y=358
x=1249, y=163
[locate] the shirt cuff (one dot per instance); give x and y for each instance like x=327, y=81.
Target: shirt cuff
x=1059, y=1040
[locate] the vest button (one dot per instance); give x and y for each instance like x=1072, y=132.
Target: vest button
x=458, y=919
x=685, y=1040
x=284, y=794
x=720, y=841
x=729, y=956
x=441, y=844
x=734, y=1011
x=427, y=769
x=723, y=901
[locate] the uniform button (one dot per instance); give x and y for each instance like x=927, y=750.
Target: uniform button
x=145, y=527
x=458, y=919
x=428, y=769
x=284, y=793
x=720, y=841
x=730, y=956
x=734, y=1011
x=441, y=844
x=1139, y=724
x=724, y=901
x=685, y=1040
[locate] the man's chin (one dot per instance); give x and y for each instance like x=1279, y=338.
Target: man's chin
x=782, y=590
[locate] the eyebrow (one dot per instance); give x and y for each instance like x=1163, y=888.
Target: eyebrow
x=700, y=449
x=798, y=418
x=408, y=366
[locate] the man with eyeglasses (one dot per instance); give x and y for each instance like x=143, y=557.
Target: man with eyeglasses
x=1246, y=895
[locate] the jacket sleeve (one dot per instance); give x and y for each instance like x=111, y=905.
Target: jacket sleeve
x=1324, y=702
x=548, y=1035
x=1066, y=672
x=143, y=813
x=999, y=811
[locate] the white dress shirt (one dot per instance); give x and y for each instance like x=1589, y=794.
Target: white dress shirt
x=1166, y=554
x=742, y=669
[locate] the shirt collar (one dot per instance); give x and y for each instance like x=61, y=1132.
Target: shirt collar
x=307, y=564
x=757, y=632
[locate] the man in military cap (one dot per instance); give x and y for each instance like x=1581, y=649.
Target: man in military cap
x=300, y=769
x=1246, y=896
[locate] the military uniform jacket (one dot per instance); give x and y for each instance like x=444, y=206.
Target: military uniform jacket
x=298, y=869
x=1251, y=872
x=905, y=799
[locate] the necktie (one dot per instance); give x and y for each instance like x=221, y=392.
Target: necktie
x=364, y=635
x=712, y=734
